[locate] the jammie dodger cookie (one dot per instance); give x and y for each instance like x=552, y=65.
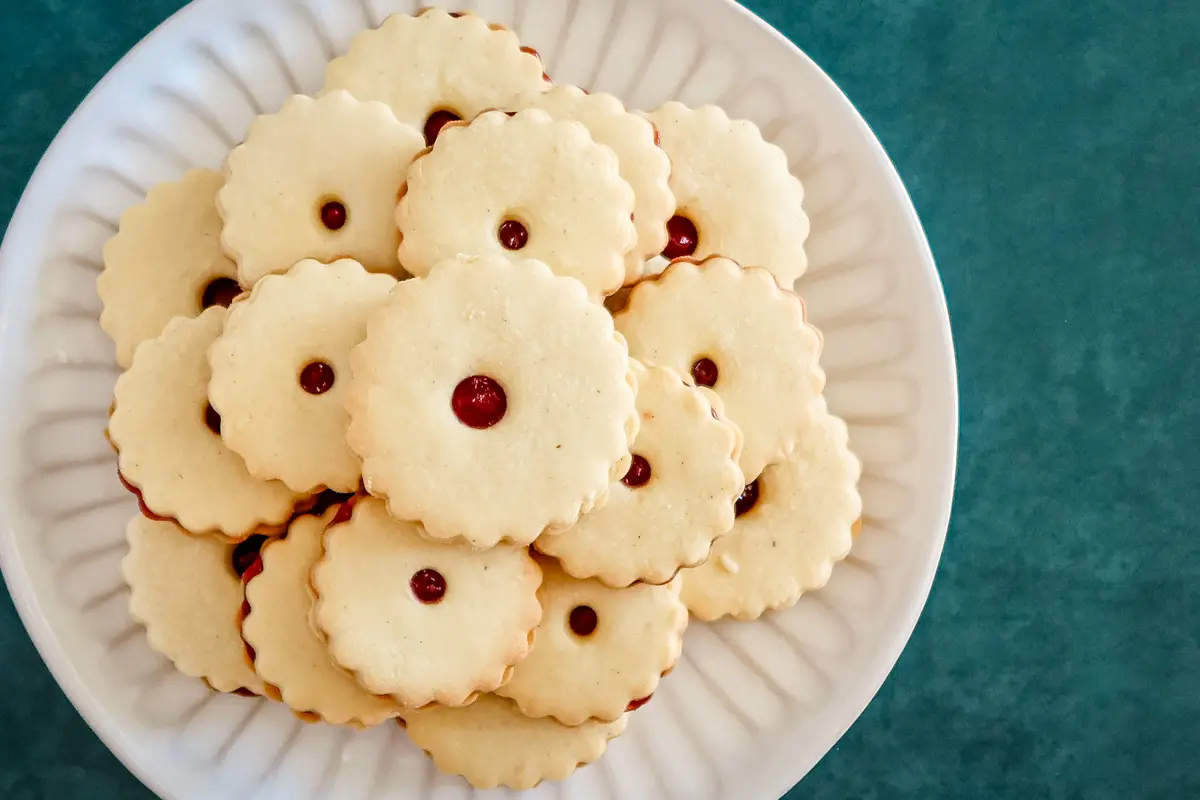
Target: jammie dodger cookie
x=525, y=186
x=735, y=331
x=598, y=650
x=165, y=261
x=491, y=743
x=287, y=653
x=794, y=523
x=735, y=195
x=281, y=368
x=317, y=180
x=185, y=590
x=436, y=67
x=169, y=444
x=490, y=401
x=420, y=620
x=675, y=499
x=643, y=164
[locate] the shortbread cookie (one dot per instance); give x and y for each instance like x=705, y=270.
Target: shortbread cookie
x=168, y=439
x=734, y=193
x=525, y=186
x=319, y=180
x=281, y=368
x=436, y=67
x=643, y=164
x=490, y=401
x=420, y=620
x=491, y=743
x=287, y=654
x=675, y=499
x=165, y=261
x=598, y=650
x=184, y=590
x=736, y=331
x=794, y=523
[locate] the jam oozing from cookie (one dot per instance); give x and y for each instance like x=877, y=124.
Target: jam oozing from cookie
x=245, y=553
x=316, y=377
x=705, y=372
x=512, y=234
x=583, y=620
x=333, y=215
x=638, y=474
x=428, y=586
x=747, y=499
x=219, y=292
x=212, y=419
x=438, y=120
x=634, y=705
x=479, y=402
x=682, y=238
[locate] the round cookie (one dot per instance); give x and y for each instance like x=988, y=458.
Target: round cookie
x=165, y=261
x=287, y=654
x=676, y=498
x=167, y=437
x=794, y=523
x=520, y=187
x=491, y=743
x=420, y=620
x=643, y=164
x=735, y=195
x=517, y=401
x=736, y=331
x=185, y=591
x=318, y=179
x=281, y=368
x=436, y=67
x=598, y=651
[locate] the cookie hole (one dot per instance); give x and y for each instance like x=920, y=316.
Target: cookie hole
x=638, y=474
x=682, y=238
x=245, y=553
x=219, y=292
x=479, y=402
x=316, y=377
x=747, y=500
x=513, y=234
x=333, y=215
x=435, y=122
x=428, y=586
x=705, y=372
x=583, y=620
x=212, y=419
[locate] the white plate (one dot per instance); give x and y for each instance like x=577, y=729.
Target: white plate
x=752, y=706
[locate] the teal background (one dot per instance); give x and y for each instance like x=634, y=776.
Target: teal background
x=1052, y=152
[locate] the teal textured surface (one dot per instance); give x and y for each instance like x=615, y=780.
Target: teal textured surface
x=1052, y=155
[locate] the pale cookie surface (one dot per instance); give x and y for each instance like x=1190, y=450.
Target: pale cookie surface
x=736, y=331
x=281, y=367
x=675, y=499
x=184, y=590
x=168, y=451
x=787, y=542
x=597, y=649
x=490, y=401
x=287, y=654
x=435, y=62
x=643, y=164
x=420, y=620
x=525, y=186
x=165, y=261
x=319, y=180
x=491, y=743
x=735, y=189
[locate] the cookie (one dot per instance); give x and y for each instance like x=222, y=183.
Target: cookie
x=736, y=331
x=794, y=523
x=281, y=368
x=167, y=437
x=436, y=67
x=165, y=261
x=490, y=401
x=598, y=651
x=675, y=499
x=734, y=193
x=520, y=187
x=491, y=743
x=420, y=620
x=643, y=164
x=287, y=654
x=185, y=591
x=318, y=179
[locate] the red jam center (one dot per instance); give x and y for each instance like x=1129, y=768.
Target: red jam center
x=747, y=499
x=219, y=292
x=316, y=377
x=438, y=120
x=479, y=402
x=245, y=553
x=428, y=586
x=333, y=215
x=682, y=238
x=512, y=235
x=704, y=372
x=582, y=620
x=212, y=419
x=638, y=474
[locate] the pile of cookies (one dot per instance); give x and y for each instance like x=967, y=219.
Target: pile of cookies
x=421, y=430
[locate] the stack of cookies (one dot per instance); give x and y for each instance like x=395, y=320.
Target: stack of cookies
x=422, y=430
